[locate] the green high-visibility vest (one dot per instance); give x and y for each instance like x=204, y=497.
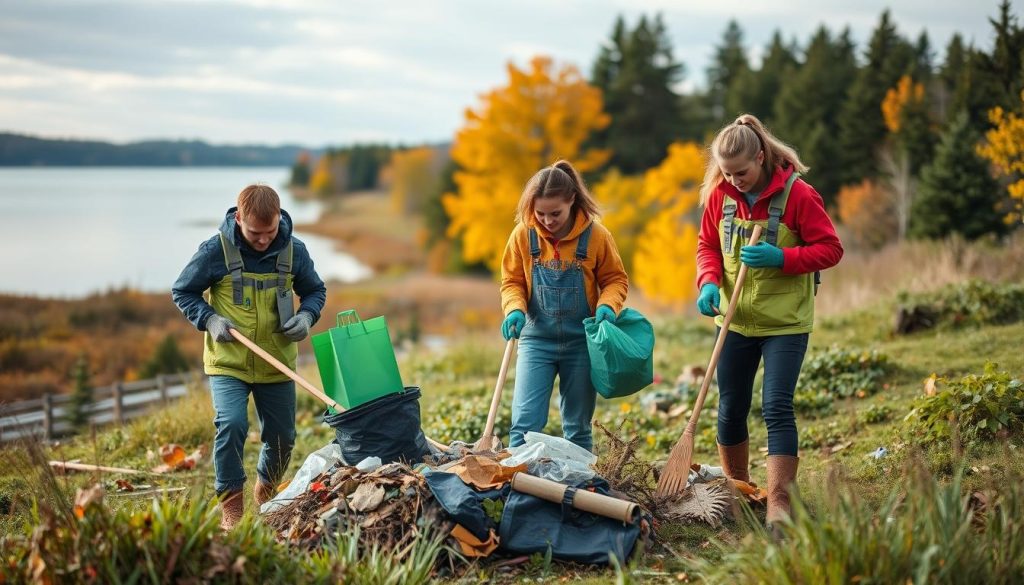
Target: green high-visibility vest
x=257, y=304
x=771, y=303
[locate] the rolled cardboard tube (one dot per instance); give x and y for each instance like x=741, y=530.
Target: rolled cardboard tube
x=584, y=500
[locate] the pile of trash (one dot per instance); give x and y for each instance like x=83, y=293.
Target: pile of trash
x=389, y=504
x=516, y=501
x=486, y=502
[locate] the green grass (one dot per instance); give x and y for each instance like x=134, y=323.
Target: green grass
x=458, y=383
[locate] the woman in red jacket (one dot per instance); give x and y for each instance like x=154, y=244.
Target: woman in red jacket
x=754, y=178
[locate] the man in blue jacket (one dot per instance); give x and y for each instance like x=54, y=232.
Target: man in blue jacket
x=251, y=268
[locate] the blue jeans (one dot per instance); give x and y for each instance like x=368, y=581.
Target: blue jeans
x=537, y=364
x=275, y=408
x=783, y=357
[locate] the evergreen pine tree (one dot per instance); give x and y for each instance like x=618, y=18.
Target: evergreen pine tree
x=166, y=359
x=81, y=393
x=729, y=64
x=755, y=91
x=956, y=194
x=808, y=108
x=862, y=129
x=636, y=72
x=949, y=74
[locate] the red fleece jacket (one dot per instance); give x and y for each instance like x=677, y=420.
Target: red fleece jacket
x=805, y=215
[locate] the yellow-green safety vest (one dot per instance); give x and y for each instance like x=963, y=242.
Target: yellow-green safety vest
x=257, y=304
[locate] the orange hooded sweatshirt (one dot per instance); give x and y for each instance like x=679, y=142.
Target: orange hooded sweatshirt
x=604, y=276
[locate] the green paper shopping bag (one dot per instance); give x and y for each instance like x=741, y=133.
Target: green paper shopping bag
x=356, y=360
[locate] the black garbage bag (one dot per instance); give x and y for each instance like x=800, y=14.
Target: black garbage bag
x=387, y=427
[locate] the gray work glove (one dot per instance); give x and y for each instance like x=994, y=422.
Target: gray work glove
x=218, y=327
x=297, y=328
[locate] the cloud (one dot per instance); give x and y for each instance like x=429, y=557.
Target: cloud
x=322, y=72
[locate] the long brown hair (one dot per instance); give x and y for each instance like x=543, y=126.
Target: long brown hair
x=746, y=136
x=559, y=180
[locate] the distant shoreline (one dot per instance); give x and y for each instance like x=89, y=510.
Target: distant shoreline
x=18, y=150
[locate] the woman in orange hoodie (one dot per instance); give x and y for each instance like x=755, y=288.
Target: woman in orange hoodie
x=559, y=267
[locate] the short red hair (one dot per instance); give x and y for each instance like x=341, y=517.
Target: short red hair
x=260, y=203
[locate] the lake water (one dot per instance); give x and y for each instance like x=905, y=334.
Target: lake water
x=73, y=231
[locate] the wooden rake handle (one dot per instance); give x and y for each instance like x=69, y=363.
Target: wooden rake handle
x=498, y=386
x=691, y=427
x=300, y=380
x=286, y=370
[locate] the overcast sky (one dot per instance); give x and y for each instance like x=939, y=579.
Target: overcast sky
x=317, y=72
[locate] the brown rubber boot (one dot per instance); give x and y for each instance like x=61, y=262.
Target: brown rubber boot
x=263, y=492
x=781, y=483
x=231, y=508
x=735, y=460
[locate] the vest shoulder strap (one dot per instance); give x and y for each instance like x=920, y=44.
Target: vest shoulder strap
x=776, y=208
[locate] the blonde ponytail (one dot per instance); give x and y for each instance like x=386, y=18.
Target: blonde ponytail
x=746, y=136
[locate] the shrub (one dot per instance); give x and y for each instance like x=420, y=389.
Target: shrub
x=843, y=373
x=978, y=407
x=967, y=304
x=876, y=413
x=813, y=403
x=814, y=436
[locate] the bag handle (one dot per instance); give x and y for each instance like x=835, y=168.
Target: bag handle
x=349, y=317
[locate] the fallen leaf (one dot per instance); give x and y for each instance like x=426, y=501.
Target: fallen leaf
x=172, y=454
x=485, y=473
x=86, y=497
x=678, y=410
x=929, y=385
x=840, y=446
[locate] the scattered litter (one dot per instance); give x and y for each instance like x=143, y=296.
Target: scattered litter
x=473, y=547
x=315, y=464
x=369, y=464
x=553, y=458
x=879, y=453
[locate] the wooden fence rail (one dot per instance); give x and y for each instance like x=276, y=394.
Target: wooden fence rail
x=48, y=417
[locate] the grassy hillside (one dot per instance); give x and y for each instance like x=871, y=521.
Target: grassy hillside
x=837, y=435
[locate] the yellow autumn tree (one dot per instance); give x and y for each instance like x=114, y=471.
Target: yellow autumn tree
x=544, y=113
x=322, y=182
x=411, y=174
x=1004, y=148
x=619, y=196
x=906, y=94
x=664, y=264
x=866, y=210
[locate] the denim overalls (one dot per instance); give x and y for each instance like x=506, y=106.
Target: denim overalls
x=553, y=342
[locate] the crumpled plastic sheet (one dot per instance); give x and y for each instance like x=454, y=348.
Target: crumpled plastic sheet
x=553, y=458
x=316, y=463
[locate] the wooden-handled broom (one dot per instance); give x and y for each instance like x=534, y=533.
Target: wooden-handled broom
x=677, y=470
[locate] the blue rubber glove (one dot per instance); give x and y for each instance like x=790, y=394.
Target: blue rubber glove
x=218, y=327
x=709, y=299
x=512, y=326
x=762, y=255
x=297, y=328
x=604, y=312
